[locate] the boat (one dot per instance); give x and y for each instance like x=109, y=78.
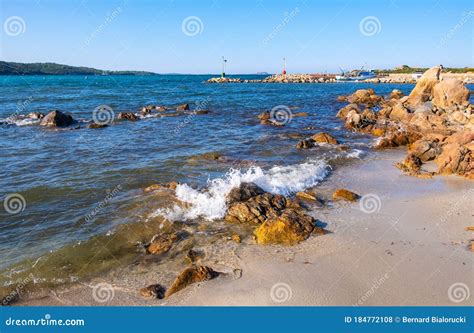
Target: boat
x=356, y=75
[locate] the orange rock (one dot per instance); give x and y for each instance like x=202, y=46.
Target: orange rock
x=343, y=194
x=189, y=276
x=324, y=138
x=153, y=291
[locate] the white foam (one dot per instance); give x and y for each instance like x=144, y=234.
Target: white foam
x=211, y=203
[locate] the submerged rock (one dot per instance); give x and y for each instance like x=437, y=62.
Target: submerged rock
x=189, y=276
x=156, y=187
x=35, y=115
x=343, y=194
x=161, y=243
x=127, y=116
x=57, y=119
x=182, y=107
x=96, y=125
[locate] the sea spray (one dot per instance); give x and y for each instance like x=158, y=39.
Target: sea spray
x=210, y=203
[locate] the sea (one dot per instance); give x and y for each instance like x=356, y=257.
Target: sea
x=73, y=205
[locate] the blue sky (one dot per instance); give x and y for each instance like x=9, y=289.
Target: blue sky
x=254, y=35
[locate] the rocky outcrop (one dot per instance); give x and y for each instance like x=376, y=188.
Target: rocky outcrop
x=424, y=87
x=278, y=220
x=189, y=276
x=450, y=92
x=365, y=96
x=435, y=121
x=57, y=119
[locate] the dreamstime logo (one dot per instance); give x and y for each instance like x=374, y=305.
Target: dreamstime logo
x=459, y=292
x=101, y=28
x=370, y=203
x=288, y=16
x=370, y=26
x=14, y=203
x=281, y=292
x=464, y=19
x=192, y=26
x=103, y=115
x=103, y=292
x=109, y=195
x=14, y=26
x=281, y=115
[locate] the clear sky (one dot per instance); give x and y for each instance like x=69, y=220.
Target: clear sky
x=179, y=36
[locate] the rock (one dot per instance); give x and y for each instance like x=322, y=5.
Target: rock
x=396, y=94
x=427, y=121
x=425, y=150
x=300, y=114
x=201, y=111
x=396, y=138
x=324, y=138
x=290, y=228
x=306, y=196
x=236, y=238
x=345, y=110
x=456, y=158
x=450, y=92
x=153, y=291
x=155, y=187
x=341, y=98
x=257, y=209
x=127, y=116
x=458, y=117
x=305, y=144
x=96, y=125
x=424, y=86
x=424, y=108
x=343, y=194
x=364, y=96
x=57, y=119
x=192, y=256
x=35, y=115
x=182, y=107
x=161, y=108
x=399, y=112
x=264, y=115
x=161, y=243
x=189, y=276
x=244, y=192
x=411, y=165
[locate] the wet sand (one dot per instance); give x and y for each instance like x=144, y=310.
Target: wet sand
x=404, y=243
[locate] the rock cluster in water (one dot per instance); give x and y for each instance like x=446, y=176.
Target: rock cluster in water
x=435, y=122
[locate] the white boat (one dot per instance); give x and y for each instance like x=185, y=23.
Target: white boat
x=356, y=75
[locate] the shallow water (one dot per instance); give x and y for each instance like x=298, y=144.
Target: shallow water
x=85, y=211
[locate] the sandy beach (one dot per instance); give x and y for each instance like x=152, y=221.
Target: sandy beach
x=407, y=246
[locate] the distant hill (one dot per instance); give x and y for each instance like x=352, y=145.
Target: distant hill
x=405, y=69
x=48, y=68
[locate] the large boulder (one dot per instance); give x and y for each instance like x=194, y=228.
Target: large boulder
x=291, y=227
x=424, y=87
x=345, y=110
x=456, y=158
x=450, y=92
x=57, y=119
x=424, y=149
x=257, y=209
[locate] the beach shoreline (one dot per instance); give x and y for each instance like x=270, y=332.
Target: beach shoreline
x=406, y=249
